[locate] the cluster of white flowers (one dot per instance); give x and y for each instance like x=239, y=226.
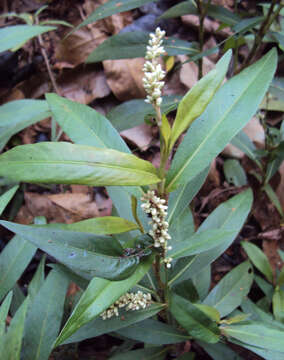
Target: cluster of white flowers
x=153, y=72
x=157, y=209
x=132, y=301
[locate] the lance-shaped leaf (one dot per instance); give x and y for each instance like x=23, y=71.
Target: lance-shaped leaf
x=133, y=44
x=44, y=318
x=65, y=163
x=13, y=36
x=228, y=294
x=112, y=7
x=230, y=215
x=153, y=332
x=196, y=100
x=16, y=115
x=199, y=243
x=14, y=260
x=6, y=197
x=231, y=108
x=98, y=326
x=195, y=321
x=86, y=254
x=12, y=341
x=99, y=295
x=102, y=225
x=219, y=351
x=257, y=334
x=151, y=353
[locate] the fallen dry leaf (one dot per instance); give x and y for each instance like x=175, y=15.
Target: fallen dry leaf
x=83, y=84
x=124, y=77
x=280, y=188
x=140, y=136
x=270, y=248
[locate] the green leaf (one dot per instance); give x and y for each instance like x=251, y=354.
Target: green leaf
x=12, y=37
x=133, y=44
x=4, y=309
x=219, y=351
x=182, y=228
x=65, y=163
x=278, y=304
x=84, y=125
x=273, y=198
x=187, y=290
x=232, y=107
x=19, y=114
x=6, y=197
x=151, y=353
x=112, y=7
x=12, y=341
x=86, y=254
x=264, y=353
x=228, y=294
x=234, y=173
x=196, y=100
x=247, y=24
x=134, y=112
x=199, y=243
x=102, y=225
x=259, y=259
x=14, y=259
x=222, y=14
x=44, y=318
x=244, y=143
x=183, y=8
x=202, y=282
x=198, y=325
x=230, y=215
x=210, y=312
x=98, y=326
x=37, y=280
x=256, y=334
x=153, y=332
x=99, y=295
x=280, y=279
x=180, y=198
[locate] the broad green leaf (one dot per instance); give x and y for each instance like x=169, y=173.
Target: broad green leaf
x=202, y=282
x=102, y=225
x=133, y=44
x=256, y=313
x=4, y=309
x=134, y=112
x=44, y=317
x=219, y=351
x=86, y=254
x=187, y=290
x=151, y=353
x=17, y=300
x=222, y=14
x=232, y=107
x=228, y=294
x=280, y=279
x=200, y=242
x=182, y=227
x=84, y=125
x=210, y=311
x=183, y=8
x=196, y=100
x=259, y=259
x=234, y=173
x=278, y=305
x=17, y=115
x=264, y=353
x=247, y=24
x=198, y=325
x=65, y=163
x=244, y=143
x=153, y=332
x=112, y=7
x=98, y=326
x=12, y=37
x=273, y=198
x=14, y=260
x=256, y=334
x=99, y=295
x=37, y=280
x=273, y=166
x=12, y=341
x=230, y=215
x=182, y=197
x=6, y=197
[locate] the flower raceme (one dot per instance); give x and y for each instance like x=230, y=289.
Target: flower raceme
x=153, y=72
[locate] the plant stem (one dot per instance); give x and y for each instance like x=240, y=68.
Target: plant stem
x=270, y=17
x=202, y=9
